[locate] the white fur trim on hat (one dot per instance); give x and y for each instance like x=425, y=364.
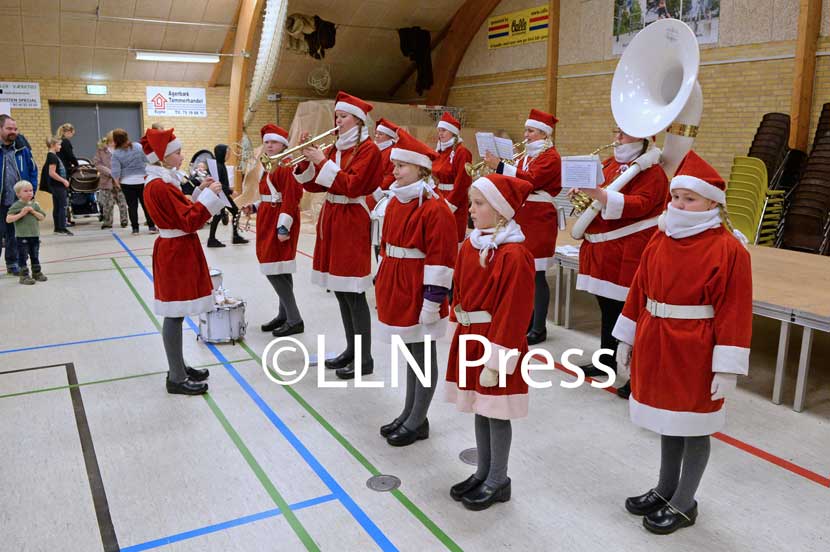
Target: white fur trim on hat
x=493, y=196
x=689, y=182
x=274, y=137
x=386, y=130
x=350, y=109
x=447, y=126
x=152, y=157
x=409, y=156
x=539, y=125
x=172, y=147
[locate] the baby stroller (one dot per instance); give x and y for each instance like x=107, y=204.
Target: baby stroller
x=83, y=183
x=195, y=172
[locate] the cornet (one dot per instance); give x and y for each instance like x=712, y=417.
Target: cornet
x=477, y=170
x=284, y=159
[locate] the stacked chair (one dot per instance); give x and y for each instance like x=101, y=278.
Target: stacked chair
x=771, y=141
x=807, y=219
x=754, y=209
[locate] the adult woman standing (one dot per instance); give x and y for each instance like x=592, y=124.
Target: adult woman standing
x=128, y=171
x=67, y=156
x=108, y=193
x=448, y=170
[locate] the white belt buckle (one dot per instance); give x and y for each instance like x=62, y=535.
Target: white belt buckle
x=462, y=317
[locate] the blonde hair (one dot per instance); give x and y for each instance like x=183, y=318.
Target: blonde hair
x=52, y=141
x=20, y=185
x=63, y=129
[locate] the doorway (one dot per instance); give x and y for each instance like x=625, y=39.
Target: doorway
x=93, y=120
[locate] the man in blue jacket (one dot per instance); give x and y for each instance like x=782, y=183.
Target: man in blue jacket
x=16, y=164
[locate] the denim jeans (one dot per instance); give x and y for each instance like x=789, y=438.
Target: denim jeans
x=28, y=247
x=7, y=230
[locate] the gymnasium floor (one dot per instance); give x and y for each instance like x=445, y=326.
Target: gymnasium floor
x=96, y=455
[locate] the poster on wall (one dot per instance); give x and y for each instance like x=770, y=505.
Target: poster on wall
x=21, y=95
x=630, y=16
x=165, y=101
x=519, y=27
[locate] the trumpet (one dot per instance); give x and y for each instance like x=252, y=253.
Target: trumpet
x=284, y=159
x=581, y=200
x=477, y=170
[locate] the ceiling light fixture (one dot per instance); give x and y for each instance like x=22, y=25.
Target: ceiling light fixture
x=184, y=57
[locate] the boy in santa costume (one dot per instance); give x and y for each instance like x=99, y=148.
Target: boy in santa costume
x=347, y=173
x=418, y=252
x=385, y=138
x=493, y=273
x=688, y=317
x=181, y=278
x=277, y=232
x=615, y=239
x=448, y=170
x=542, y=167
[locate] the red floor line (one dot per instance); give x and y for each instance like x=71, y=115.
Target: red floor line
x=92, y=255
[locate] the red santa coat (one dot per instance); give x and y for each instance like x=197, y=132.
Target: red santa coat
x=454, y=184
x=280, y=206
x=673, y=359
x=501, y=289
x=399, y=286
x=606, y=268
x=181, y=278
x=387, y=178
x=342, y=252
x=537, y=216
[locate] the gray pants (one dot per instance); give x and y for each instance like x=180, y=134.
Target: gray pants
x=419, y=397
x=354, y=311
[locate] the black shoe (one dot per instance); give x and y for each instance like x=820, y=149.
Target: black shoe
x=187, y=387
x=237, y=239
x=534, y=337
x=592, y=371
x=197, y=374
x=484, y=496
x=625, y=391
x=273, y=324
x=458, y=490
x=403, y=436
x=285, y=329
x=124, y=224
x=213, y=242
x=106, y=226
x=340, y=361
x=70, y=223
x=388, y=429
x=225, y=218
x=644, y=504
x=667, y=519
x=347, y=373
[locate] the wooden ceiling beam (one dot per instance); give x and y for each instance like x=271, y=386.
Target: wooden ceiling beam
x=226, y=48
x=553, y=57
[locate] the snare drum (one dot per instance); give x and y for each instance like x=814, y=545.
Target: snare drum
x=216, y=278
x=224, y=324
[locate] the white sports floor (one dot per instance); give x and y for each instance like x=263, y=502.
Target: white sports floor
x=97, y=456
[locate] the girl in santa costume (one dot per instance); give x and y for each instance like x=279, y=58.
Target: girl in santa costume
x=347, y=173
x=493, y=272
x=418, y=252
x=542, y=167
x=180, y=273
x=688, y=317
x=385, y=138
x=448, y=171
x=614, y=241
x=277, y=232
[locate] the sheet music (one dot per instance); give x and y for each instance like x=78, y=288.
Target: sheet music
x=501, y=147
x=214, y=174
x=582, y=171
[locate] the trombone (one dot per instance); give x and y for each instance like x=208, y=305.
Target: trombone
x=283, y=159
x=477, y=169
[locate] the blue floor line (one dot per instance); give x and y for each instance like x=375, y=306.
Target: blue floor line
x=348, y=502
x=245, y=520
x=83, y=342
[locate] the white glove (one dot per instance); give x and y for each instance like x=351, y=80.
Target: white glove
x=430, y=312
x=623, y=360
x=723, y=385
x=488, y=378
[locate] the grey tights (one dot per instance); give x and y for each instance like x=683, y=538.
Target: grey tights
x=493, y=437
x=682, y=463
x=418, y=397
x=283, y=284
x=171, y=335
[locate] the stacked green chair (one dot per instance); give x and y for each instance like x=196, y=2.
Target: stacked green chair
x=754, y=209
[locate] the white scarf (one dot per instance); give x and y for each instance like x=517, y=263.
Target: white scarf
x=487, y=242
x=535, y=148
x=171, y=176
x=351, y=137
x=679, y=223
x=442, y=146
x=384, y=145
x=626, y=153
x=408, y=192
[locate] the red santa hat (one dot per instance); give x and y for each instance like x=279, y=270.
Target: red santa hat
x=541, y=121
x=448, y=122
x=697, y=175
x=158, y=144
x=410, y=150
x=273, y=133
x=352, y=105
x=387, y=127
x=504, y=193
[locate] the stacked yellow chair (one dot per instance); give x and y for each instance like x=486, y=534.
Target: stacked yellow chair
x=754, y=209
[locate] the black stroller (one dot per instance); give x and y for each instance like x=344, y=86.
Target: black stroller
x=197, y=170
x=83, y=185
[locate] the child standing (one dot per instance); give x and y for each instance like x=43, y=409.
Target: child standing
x=418, y=250
x=26, y=214
x=493, y=274
x=688, y=317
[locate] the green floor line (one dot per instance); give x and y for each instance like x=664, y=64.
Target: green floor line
x=292, y=519
x=400, y=496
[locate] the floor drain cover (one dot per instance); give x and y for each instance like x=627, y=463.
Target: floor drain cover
x=383, y=483
x=469, y=456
